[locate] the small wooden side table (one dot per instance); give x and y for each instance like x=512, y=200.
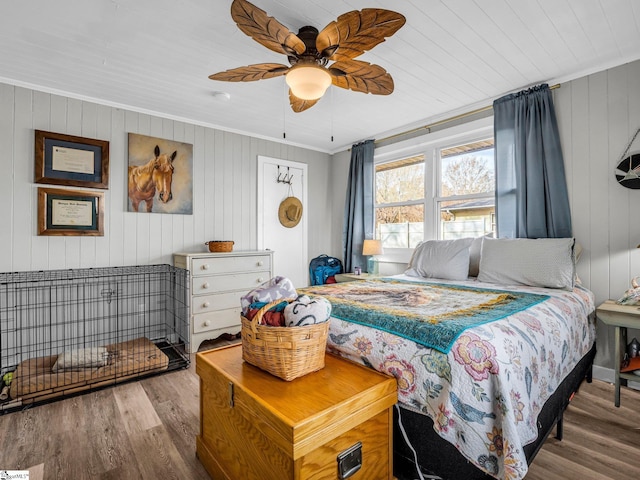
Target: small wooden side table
x=621, y=317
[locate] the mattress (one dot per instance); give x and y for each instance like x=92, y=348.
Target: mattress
x=34, y=378
x=484, y=395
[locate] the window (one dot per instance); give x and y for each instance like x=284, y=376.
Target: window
x=399, y=203
x=466, y=201
x=444, y=191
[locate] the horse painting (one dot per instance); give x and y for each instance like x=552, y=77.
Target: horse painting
x=155, y=175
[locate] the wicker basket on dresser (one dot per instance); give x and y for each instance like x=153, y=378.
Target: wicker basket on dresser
x=217, y=281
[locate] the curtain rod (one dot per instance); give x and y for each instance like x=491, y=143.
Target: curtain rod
x=441, y=122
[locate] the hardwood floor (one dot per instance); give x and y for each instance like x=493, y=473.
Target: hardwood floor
x=600, y=441
x=146, y=430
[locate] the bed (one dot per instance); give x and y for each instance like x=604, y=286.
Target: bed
x=39, y=378
x=479, y=400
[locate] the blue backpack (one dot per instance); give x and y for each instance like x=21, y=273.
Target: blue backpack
x=323, y=268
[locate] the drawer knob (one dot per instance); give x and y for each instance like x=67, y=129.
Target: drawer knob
x=207, y=323
x=260, y=263
x=206, y=304
x=205, y=285
x=260, y=279
x=205, y=266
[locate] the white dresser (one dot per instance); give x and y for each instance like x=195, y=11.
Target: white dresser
x=217, y=281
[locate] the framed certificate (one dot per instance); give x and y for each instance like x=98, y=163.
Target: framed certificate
x=70, y=212
x=72, y=161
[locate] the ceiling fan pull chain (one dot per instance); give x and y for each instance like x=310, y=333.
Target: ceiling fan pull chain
x=331, y=114
x=284, y=111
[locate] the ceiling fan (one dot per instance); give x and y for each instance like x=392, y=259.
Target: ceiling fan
x=309, y=53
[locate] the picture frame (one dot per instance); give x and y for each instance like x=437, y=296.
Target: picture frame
x=71, y=161
x=70, y=212
x=159, y=175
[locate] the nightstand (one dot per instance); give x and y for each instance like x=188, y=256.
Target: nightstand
x=621, y=317
x=352, y=277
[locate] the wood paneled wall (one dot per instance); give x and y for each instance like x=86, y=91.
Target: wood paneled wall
x=224, y=187
x=597, y=116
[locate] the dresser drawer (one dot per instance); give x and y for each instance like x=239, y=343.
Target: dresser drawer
x=231, y=281
x=215, y=265
x=215, y=301
x=215, y=320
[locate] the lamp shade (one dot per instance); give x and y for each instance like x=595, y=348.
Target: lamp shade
x=308, y=82
x=372, y=247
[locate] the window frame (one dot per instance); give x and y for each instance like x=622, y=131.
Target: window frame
x=430, y=145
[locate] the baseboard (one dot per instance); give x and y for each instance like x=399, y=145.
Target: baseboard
x=608, y=375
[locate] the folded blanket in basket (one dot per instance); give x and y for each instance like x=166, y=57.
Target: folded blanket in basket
x=307, y=311
x=81, y=358
x=271, y=290
x=273, y=317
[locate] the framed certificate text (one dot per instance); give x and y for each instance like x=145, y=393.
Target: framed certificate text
x=70, y=212
x=71, y=161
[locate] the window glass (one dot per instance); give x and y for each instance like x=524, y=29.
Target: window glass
x=467, y=185
x=400, y=181
x=399, y=193
x=467, y=169
x=400, y=226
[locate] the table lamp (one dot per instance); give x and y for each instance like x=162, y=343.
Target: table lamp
x=371, y=248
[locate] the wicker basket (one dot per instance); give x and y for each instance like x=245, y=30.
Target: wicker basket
x=286, y=352
x=220, y=245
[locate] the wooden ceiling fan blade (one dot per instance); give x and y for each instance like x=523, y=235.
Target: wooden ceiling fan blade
x=299, y=105
x=362, y=77
x=251, y=73
x=264, y=29
x=358, y=31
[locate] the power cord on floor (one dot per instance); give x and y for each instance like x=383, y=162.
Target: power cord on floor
x=415, y=455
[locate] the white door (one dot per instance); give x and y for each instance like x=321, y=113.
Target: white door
x=288, y=244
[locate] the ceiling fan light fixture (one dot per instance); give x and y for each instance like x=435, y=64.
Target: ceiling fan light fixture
x=308, y=82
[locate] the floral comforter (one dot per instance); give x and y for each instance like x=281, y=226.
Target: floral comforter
x=484, y=396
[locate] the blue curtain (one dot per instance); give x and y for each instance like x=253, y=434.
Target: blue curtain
x=358, y=209
x=531, y=188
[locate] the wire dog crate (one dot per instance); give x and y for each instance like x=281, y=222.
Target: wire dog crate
x=67, y=331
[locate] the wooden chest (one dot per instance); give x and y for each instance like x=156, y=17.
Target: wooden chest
x=256, y=426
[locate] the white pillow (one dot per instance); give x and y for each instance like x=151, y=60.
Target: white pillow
x=474, y=256
x=446, y=259
x=541, y=262
x=81, y=358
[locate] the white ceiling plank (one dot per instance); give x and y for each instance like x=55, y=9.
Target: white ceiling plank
x=155, y=56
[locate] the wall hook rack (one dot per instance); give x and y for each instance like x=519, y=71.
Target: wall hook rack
x=285, y=178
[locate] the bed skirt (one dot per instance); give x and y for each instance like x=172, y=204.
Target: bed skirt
x=439, y=457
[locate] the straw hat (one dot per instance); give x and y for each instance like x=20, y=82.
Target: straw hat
x=290, y=212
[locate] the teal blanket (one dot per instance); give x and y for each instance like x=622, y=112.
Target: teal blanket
x=430, y=314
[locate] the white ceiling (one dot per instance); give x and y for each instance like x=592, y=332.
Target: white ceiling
x=451, y=56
